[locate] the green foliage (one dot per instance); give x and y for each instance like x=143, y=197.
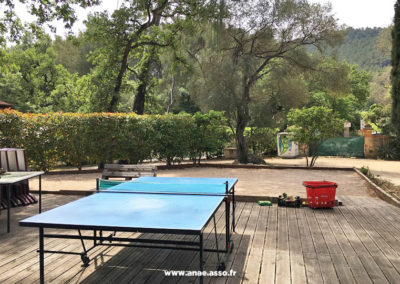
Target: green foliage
x=35, y=133
x=346, y=96
x=79, y=139
x=391, y=151
x=380, y=87
x=261, y=140
x=312, y=126
x=171, y=136
x=32, y=81
x=366, y=171
x=72, y=53
x=43, y=12
x=361, y=47
x=208, y=135
x=379, y=117
x=396, y=71
x=230, y=68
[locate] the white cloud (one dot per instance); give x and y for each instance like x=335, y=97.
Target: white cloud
x=362, y=13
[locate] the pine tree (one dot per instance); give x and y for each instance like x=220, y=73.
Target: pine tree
x=396, y=71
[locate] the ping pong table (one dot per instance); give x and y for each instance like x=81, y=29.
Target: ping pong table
x=159, y=205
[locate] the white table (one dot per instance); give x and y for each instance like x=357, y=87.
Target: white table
x=10, y=178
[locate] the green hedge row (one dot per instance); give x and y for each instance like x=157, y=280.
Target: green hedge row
x=94, y=138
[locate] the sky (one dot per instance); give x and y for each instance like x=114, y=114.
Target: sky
x=362, y=13
x=352, y=13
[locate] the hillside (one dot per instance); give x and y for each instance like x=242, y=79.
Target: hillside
x=360, y=47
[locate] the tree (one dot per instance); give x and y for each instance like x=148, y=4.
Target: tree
x=133, y=36
x=340, y=86
x=73, y=53
x=11, y=27
x=312, y=126
x=395, y=75
x=31, y=79
x=380, y=87
x=258, y=34
x=379, y=117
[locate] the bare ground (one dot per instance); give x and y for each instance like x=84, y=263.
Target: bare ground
x=252, y=182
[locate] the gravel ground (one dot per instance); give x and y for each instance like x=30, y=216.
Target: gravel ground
x=252, y=182
x=389, y=170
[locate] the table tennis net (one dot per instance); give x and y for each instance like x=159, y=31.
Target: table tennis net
x=160, y=188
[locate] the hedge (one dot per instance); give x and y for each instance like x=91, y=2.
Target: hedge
x=94, y=138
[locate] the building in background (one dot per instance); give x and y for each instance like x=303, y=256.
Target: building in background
x=4, y=105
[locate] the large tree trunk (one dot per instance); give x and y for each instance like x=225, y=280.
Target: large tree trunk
x=144, y=76
x=243, y=118
x=117, y=87
x=140, y=97
x=242, y=151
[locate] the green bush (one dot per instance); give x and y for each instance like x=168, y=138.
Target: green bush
x=171, y=136
x=365, y=171
x=261, y=140
x=391, y=151
x=78, y=139
x=208, y=135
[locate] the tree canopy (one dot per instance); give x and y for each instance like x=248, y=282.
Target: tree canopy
x=396, y=71
x=312, y=126
x=253, y=60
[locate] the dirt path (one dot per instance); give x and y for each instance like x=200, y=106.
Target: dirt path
x=389, y=170
x=252, y=182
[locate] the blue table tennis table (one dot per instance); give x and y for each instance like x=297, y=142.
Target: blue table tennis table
x=164, y=205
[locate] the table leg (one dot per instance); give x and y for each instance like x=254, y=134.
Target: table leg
x=233, y=209
x=41, y=255
x=40, y=194
x=8, y=206
x=201, y=257
x=227, y=222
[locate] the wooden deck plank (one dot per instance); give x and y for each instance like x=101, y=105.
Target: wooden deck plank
x=211, y=261
x=358, y=242
x=282, y=254
x=313, y=271
x=385, y=218
x=18, y=262
x=253, y=265
x=381, y=260
x=268, y=263
x=241, y=220
x=341, y=266
x=380, y=232
x=239, y=239
x=325, y=262
x=358, y=271
x=178, y=260
x=384, y=228
x=297, y=267
x=369, y=263
x=73, y=271
x=242, y=248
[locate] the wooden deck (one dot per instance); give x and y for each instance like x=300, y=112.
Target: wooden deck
x=355, y=243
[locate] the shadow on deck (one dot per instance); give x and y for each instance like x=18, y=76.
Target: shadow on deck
x=358, y=242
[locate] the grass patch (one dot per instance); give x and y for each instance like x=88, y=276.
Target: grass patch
x=387, y=186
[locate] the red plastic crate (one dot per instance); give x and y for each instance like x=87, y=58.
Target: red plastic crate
x=320, y=194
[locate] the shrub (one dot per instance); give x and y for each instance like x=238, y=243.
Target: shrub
x=78, y=139
x=261, y=140
x=313, y=126
x=391, y=151
x=171, y=139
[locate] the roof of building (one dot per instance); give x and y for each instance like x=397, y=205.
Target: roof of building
x=4, y=104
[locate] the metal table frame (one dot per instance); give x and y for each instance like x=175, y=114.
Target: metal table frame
x=111, y=240
x=8, y=184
